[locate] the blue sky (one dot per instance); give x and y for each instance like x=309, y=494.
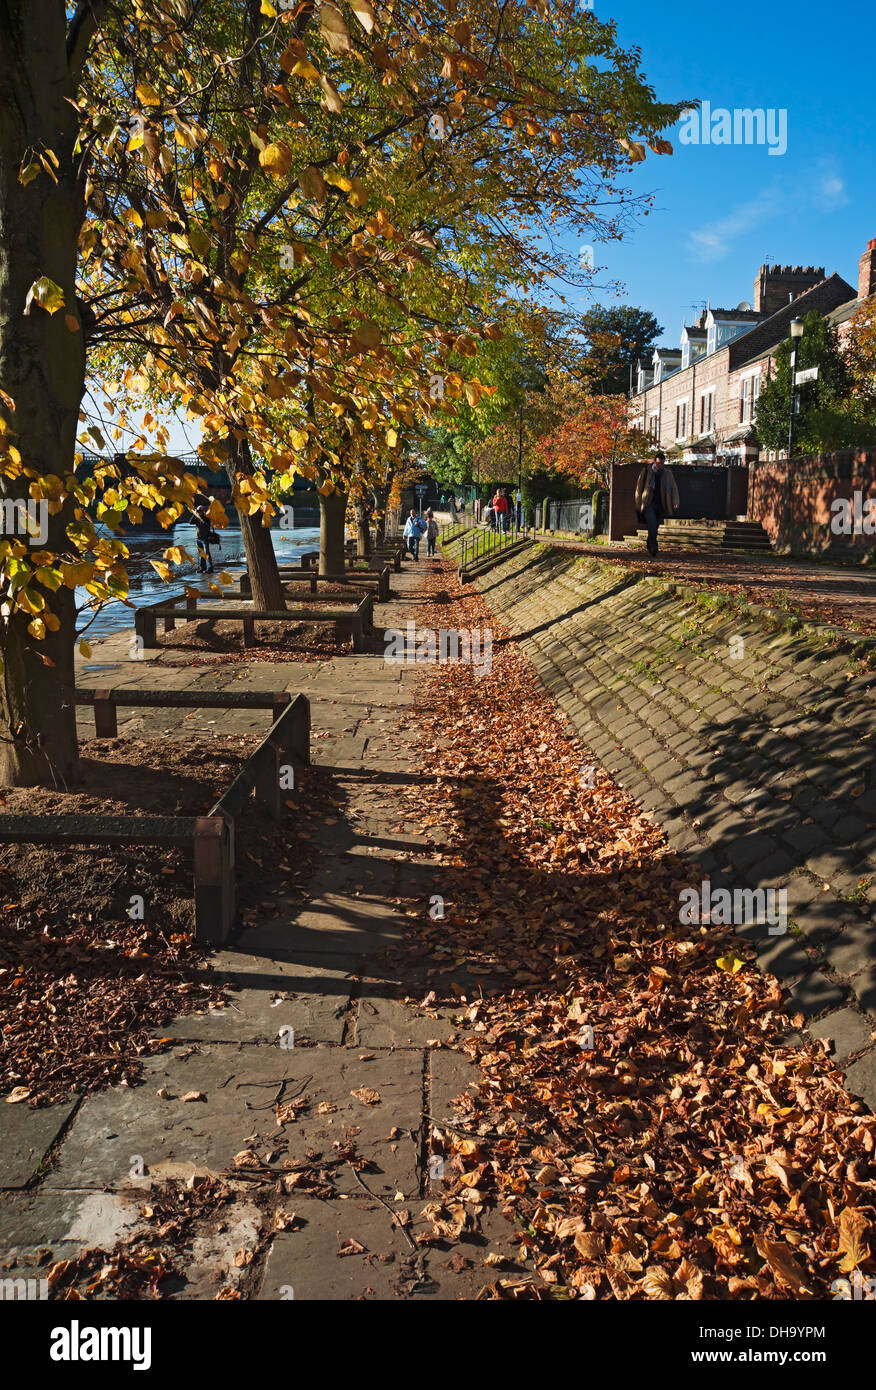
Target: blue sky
x=722, y=210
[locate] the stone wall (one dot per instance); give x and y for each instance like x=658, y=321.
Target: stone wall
x=752, y=748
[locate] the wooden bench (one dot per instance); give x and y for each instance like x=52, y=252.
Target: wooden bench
x=211, y=837
x=378, y=580
x=356, y=621
x=107, y=701
x=381, y=555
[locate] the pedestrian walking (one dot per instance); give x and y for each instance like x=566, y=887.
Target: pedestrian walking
x=656, y=498
x=502, y=509
x=415, y=528
x=206, y=537
x=431, y=533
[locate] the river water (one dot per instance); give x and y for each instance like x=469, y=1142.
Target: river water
x=147, y=587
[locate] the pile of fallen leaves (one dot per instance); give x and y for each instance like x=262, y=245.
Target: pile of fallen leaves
x=639, y=1117
x=81, y=1003
x=150, y=1263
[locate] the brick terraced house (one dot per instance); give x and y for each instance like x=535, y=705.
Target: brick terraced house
x=701, y=398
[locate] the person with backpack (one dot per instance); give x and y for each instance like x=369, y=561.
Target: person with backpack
x=206, y=537
x=432, y=532
x=415, y=527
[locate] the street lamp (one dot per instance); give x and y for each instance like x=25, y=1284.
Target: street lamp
x=796, y=335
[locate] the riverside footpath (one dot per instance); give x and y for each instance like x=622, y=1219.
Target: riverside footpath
x=468, y=1046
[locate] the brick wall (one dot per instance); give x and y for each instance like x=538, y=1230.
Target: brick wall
x=622, y=519
x=799, y=521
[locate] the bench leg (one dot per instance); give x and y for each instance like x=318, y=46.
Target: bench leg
x=358, y=635
x=214, y=878
x=170, y=624
x=105, y=723
x=248, y=632
x=144, y=626
x=245, y=585
x=314, y=579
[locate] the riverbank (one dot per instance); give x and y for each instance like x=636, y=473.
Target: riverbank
x=515, y=1073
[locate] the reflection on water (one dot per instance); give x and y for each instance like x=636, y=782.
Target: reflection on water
x=147, y=587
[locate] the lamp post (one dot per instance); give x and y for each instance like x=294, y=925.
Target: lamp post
x=796, y=335
x=519, y=460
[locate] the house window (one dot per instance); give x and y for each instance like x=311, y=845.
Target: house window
x=654, y=427
x=748, y=398
x=681, y=420
x=707, y=412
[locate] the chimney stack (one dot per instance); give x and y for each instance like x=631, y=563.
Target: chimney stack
x=867, y=271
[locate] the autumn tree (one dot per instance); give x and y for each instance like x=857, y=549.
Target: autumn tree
x=185, y=147
x=828, y=416
x=593, y=437
x=615, y=338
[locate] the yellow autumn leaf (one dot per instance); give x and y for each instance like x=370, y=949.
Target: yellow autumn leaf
x=364, y=12
x=305, y=69
x=74, y=575
x=37, y=629
x=391, y=438
x=277, y=159
x=163, y=570
x=312, y=184
x=29, y=602
x=84, y=648
x=853, y=1230
x=730, y=964
x=46, y=294
x=216, y=513
x=333, y=28
x=147, y=95
x=224, y=577
x=332, y=100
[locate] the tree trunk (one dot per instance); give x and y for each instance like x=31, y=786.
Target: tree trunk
x=42, y=367
x=261, y=558
x=332, y=511
x=363, y=528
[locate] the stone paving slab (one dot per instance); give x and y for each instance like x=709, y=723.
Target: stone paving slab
x=336, y=923
x=273, y=993
x=27, y=1136
x=174, y=1138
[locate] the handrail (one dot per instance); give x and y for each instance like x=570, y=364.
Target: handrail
x=481, y=544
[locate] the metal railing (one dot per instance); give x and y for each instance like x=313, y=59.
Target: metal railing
x=576, y=514
x=482, y=544
x=452, y=530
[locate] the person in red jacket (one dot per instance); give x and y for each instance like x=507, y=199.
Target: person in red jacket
x=502, y=510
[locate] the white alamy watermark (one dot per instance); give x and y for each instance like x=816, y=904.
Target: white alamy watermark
x=741, y=907
x=28, y=1290
x=858, y=1286
x=25, y=517
x=585, y=256
x=77, y=1343
x=446, y=647
x=853, y=516
x=742, y=126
